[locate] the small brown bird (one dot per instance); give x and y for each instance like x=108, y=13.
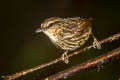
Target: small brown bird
x=68, y=33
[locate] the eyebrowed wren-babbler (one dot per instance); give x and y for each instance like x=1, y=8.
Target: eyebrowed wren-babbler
x=68, y=33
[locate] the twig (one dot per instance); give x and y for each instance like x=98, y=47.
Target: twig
x=96, y=62
x=24, y=72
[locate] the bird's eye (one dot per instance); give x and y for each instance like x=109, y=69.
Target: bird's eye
x=51, y=24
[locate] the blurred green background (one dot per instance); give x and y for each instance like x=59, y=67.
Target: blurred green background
x=22, y=48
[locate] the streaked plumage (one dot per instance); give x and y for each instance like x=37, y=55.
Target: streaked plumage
x=67, y=33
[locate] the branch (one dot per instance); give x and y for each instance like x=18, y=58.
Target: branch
x=96, y=62
x=24, y=72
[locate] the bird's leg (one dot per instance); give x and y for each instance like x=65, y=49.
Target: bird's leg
x=65, y=57
x=96, y=44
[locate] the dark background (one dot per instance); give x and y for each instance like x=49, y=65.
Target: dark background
x=22, y=48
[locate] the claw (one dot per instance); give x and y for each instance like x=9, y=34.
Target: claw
x=65, y=57
x=96, y=44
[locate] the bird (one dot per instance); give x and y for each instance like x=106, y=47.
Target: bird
x=69, y=33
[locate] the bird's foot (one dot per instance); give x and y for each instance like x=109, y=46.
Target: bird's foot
x=64, y=57
x=96, y=44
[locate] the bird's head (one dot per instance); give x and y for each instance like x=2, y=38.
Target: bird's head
x=47, y=24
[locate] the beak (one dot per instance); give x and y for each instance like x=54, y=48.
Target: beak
x=38, y=30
